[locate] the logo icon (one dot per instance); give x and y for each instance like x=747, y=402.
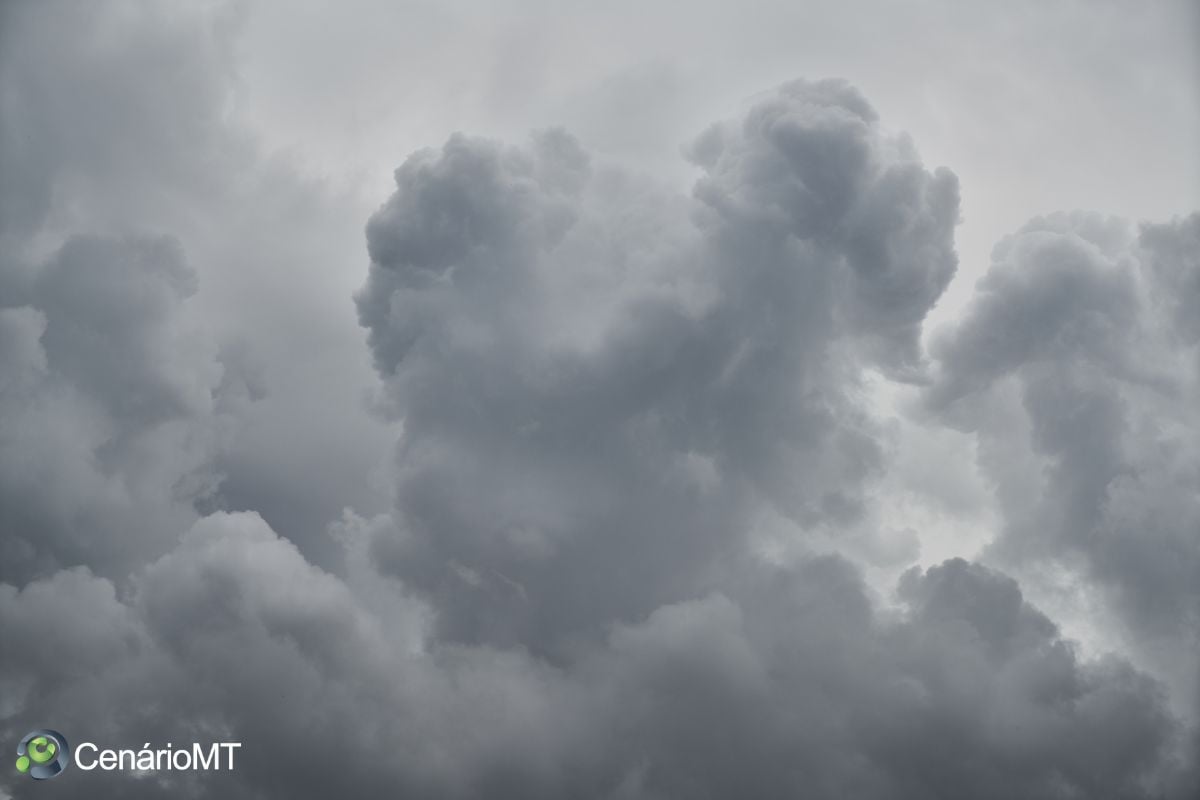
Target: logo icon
x=42, y=754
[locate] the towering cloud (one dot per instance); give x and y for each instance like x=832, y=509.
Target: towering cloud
x=638, y=543
x=603, y=387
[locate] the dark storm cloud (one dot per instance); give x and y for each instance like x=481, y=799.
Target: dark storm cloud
x=1084, y=332
x=605, y=391
x=787, y=682
x=587, y=367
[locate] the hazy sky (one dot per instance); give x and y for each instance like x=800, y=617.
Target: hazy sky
x=647, y=400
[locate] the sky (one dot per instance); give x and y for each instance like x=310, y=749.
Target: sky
x=635, y=401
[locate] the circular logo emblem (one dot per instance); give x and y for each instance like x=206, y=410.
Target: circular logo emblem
x=43, y=754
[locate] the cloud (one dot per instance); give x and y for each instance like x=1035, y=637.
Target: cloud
x=587, y=366
x=124, y=121
x=109, y=412
x=811, y=165
x=790, y=680
x=1082, y=333
x=612, y=400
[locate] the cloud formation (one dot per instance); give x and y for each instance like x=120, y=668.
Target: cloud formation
x=589, y=368
x=792, y=682
x=1082, y=342
x=615, y=401
x=111, y=407
x=120, y=121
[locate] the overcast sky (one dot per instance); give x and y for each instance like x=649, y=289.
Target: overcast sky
x=625, y=400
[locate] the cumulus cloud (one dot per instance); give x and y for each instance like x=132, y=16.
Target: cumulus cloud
x=612, y=400
x=789, y=681
x=1081, y=340
x=589, y=367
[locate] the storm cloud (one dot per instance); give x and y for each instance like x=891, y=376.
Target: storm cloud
x=563, y=478
x=790, y=681
x=587, y=369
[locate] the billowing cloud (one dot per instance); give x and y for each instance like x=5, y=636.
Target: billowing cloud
x=640, y=541
x=119, y=121
x=110, y=409
x=1077, y=368
x=588, y=367
x=791, y=681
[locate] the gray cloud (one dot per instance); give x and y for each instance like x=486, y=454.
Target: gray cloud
x=588, y=367
x=1083, y=333
x=120, y=120
x=80, y=145
x=613, y=400
x=109, y=411
x=788, y=681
